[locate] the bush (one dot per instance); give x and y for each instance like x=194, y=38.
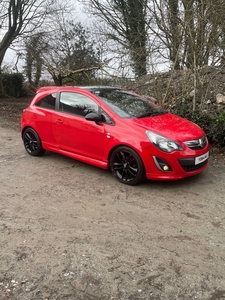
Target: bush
x=217, y=133
x=13, y=84
x=213, y=125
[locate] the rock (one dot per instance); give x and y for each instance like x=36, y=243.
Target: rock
x=192, y=93
x=220, y=98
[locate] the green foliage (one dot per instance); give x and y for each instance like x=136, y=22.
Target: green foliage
x=218, y=128
x=133, y=28
x=212, y=124
x=13, y=84
x=35, y=47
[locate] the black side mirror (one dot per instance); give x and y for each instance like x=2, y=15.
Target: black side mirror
x=93, y=116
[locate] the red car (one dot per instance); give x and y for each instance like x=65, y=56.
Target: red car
x=113, y=128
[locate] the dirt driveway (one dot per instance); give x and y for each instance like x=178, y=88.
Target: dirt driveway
x=71, y=231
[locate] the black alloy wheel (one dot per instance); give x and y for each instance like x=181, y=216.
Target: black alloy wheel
x=127, y=166
x=32, y=142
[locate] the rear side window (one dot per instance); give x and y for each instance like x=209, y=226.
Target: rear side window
x=47, y=102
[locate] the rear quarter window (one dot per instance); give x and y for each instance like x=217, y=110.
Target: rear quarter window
x=47, y=102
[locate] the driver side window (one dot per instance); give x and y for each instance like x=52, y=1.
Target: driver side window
x=76, y=104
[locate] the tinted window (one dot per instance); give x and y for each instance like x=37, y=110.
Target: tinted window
x=126, y=104
x=47, y=102
x=77, y=104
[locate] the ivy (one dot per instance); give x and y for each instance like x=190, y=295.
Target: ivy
x=13, y=84
x=212, y=124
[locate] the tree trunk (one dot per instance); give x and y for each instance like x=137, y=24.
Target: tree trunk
x=57, y=79
x=2, y=92
x=2, y=54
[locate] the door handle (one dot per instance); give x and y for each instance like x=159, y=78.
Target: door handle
x=59, y=121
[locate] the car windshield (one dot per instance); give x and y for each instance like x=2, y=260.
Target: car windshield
x=128, y=105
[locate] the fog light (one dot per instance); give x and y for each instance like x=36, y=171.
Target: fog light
x=162, y=164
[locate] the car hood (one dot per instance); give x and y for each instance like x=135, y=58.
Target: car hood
x=171, y=126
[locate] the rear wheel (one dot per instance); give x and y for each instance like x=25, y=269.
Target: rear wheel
x=127, y=166
x=32, y=142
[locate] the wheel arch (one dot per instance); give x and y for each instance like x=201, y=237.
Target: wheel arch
x=28, y=126
x=24, y=128
x=32, y=145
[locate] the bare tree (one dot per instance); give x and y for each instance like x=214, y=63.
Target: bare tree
x=76, y=58
x=191, y=31
x=126, y=20
x=18, y=17
x=187, y=33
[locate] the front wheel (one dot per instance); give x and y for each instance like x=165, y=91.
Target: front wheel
x=127, y=166
x=32, y=142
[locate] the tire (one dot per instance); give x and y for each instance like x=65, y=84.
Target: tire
x=32, y=142
x=126, y=165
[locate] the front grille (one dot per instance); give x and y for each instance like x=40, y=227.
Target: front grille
x=191, y=168
x=198, y=144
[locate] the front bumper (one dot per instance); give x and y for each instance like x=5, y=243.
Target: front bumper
x=172, y=166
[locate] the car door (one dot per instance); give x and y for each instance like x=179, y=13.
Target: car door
x=73, y=132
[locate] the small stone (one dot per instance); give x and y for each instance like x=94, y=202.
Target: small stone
x=220, y=99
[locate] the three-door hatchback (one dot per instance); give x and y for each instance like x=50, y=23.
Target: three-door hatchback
x=113, y=128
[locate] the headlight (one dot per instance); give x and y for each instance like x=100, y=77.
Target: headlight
x=162, y=142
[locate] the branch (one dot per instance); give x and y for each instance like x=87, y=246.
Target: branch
x=80, y=71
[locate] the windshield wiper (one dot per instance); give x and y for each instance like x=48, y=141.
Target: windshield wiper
x=152, y=114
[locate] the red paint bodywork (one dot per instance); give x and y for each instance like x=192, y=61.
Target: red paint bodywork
x=92, y=143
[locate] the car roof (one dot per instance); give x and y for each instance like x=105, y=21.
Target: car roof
x=89, y=88
x=100, y=87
